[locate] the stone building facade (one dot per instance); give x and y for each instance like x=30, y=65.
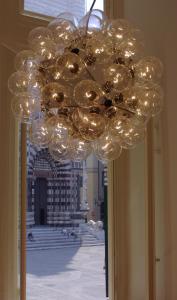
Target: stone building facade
x=63, y=194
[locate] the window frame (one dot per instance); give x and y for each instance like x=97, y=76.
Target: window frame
x=117, y=193
x=112, y=245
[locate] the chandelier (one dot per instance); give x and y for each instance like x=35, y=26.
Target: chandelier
x=85, y=86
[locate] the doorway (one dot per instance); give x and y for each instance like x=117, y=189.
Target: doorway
x=40, y=203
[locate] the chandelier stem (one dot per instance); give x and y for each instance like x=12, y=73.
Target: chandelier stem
x=89, y=14
x=92, y=6
x=119, y=107
x=126, y=109
x=89, y=73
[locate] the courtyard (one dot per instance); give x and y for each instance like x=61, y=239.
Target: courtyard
x=74, y=273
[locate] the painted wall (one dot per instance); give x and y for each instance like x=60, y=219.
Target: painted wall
x=158, y=21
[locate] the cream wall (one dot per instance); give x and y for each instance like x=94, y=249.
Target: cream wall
x=158, y=20
x=138, y=224
x=8, y=186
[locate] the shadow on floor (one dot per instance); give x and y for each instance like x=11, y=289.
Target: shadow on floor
x=44, y=263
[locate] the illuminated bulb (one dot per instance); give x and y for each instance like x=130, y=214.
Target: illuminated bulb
x=26, y=60
x=36, y=84
x=81, y=149
x=38, y=35
x=149, y=69
x=131, y=136
x=39, y=134
x=53, y=94
x=151, y=99
x=24, y=107
x=118, y=75
x=59, y=127
x=71, y=65
x=90, y=125
x=53, y=73
x=67, y=16
x=62, y=30
x=87, y=93
x=145, y=99
x=20, y=82
x=45, y=50
x=131, y=49
x=118, y=30
x=99, y=48
x=120, y=122
x=107, y=148
x=94, y=24
x=60, y=149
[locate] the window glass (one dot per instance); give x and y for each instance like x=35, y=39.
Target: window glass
x=55, y=7
x=66, y=238
x=66, y=217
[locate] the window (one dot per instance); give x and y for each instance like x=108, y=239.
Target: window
x=55, y=7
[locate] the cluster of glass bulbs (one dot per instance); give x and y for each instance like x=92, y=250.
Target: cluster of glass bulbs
x=85, y=86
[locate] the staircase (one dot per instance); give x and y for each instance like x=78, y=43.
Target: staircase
x=51, y=238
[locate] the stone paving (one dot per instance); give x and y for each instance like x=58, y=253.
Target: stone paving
x=66, y=274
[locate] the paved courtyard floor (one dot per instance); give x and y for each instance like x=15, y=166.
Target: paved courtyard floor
x=66, y=274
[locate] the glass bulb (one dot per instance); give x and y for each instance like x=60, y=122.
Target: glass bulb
x=36, y=83
x=39, y=134
x=81, y=149
x=87, y=93
x=149, y=69
x=45, y=50
x=90, y=125
x=137, y=35
x=120, y=121
x=131, y=98
x=119, y=76
x=53, y=73
x=132, y=136
x=151, y=99
x=21, y=82
x=60, y=149
x=59, y=127
x=100, y=48
x=67, y=16
x=38, y=35
x=71, y=65
x=53, y=94
x=118, y=30
x=107, y=148
x=25, y=107
x=145, y=100
x=99, y=13
x=18, y=82
x=62, y=30
x=90, y=25
x=26, y=60
x=131, y=49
